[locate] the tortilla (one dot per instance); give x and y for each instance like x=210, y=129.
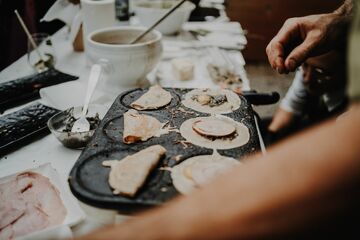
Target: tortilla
x=140, y=127
x=155, y=98
x=200, y=99
x=128, y=175
x=198, y=171
x=237, y=139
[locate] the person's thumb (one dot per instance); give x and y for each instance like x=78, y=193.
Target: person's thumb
x=299, y=54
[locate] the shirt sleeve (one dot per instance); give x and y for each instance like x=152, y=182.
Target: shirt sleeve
x=296, y=97
x=354, y=57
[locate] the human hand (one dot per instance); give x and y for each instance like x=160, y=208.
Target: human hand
x=303, y=37
x=281, y=120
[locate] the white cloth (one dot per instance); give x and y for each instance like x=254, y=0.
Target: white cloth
x=297, y=96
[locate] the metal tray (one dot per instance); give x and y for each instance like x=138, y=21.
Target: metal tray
x=89, y=179
x=22, y=90
x=19, y=128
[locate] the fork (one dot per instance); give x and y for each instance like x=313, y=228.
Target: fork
x=82, y=124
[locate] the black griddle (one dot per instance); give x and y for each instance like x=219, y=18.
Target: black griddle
x=89, y=179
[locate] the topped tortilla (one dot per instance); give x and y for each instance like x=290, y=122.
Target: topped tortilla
x=224, y=137
x=212, y=101
x=197, y=171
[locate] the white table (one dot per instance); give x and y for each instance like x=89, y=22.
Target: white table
x=48, y=149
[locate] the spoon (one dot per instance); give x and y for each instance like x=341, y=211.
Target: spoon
x=82, y=124
x=41, y=65
x=138, y=38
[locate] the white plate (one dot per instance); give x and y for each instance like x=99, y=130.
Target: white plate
x=70, y=94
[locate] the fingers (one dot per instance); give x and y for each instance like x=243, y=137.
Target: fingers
x=275, y=53
x=276, y=49
x=300, y=53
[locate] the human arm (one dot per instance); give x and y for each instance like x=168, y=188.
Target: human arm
x=291, y=106
x=303, y=37
x=301, y=182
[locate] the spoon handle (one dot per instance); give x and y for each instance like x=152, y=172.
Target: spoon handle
x=26, y=30
x=95, y=75
x=158, y=22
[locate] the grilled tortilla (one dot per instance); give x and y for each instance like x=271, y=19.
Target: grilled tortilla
x=155, y=98
x=128, y=175
x=140, y=127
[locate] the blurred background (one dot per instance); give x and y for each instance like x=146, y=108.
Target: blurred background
x=261, y=19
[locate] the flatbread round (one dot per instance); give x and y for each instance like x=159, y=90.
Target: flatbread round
x=238, y=139
x=197, y=171
x=200, y=100
x=155, y=98
x=128, y=175
x=214, y=128
x=141, y=127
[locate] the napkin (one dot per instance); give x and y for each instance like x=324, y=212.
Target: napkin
x=62, y=10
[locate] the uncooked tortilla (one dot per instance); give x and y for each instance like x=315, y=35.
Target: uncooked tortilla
x=240, y=138
x=128, y=175
x=140, y=127
x=233, y=101
x=155, y=98
x=197, y=171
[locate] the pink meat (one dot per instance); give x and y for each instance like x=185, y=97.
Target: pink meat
x=28, y=203
x=12, y=205
x=9, y=215
x=33, y=220
x=46, y=197
x=7, y=233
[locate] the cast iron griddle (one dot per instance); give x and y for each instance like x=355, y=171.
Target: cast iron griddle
x=89, y=179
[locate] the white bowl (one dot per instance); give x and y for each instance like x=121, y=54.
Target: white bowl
x=126, y=64
x=149, y=12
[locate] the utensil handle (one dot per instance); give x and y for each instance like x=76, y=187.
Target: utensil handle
x=26, y=30
x=256, y=98
x=95, y=74
x=158, y=22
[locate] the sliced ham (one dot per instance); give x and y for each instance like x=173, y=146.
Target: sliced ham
x=29, y=203
x=6, y=233
x=213, y=127
x=33, y=220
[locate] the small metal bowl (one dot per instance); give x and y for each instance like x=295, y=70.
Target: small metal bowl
x=74, y=140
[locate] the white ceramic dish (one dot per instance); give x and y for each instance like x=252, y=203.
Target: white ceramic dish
x=149, y=12
x=125, y=65
x=74, y=213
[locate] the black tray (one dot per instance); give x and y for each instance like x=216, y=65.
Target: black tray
x=89, y=179
x=24, y=126
x=16, y=92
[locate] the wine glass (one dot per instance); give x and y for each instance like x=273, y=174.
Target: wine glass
x=45, y=50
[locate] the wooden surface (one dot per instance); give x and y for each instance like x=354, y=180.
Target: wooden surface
x=263, y=18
